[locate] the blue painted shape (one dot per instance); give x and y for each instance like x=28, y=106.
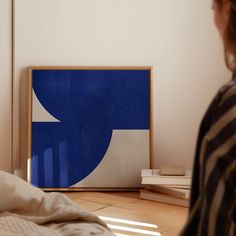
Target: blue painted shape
x=48, y=167
x=34, y=169
x=89, y=104
x=63, y=159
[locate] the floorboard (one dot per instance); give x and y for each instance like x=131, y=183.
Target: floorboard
x=126, y=214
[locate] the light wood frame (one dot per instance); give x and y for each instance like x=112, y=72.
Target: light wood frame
x=29, y=150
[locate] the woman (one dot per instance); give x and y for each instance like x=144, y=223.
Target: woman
x=213, y=197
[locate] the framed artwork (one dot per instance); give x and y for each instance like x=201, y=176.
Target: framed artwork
x=90, y=127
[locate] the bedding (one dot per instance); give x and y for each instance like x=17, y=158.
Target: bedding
x=27, y=210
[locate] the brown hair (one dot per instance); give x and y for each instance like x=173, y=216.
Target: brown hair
x=229, y=36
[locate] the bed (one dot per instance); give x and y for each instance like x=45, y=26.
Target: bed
x=27, y=210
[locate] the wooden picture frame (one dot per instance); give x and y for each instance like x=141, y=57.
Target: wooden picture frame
x=90, y=128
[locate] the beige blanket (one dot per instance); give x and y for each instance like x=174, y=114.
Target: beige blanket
x=26, y=210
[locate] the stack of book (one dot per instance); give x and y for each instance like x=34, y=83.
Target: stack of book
x=171, y=189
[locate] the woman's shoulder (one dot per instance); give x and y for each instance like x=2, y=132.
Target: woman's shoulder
x=227, y=91
x=224, y=102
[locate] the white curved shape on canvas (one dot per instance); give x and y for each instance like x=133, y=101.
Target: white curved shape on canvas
x=121, y=166
x=39, y=113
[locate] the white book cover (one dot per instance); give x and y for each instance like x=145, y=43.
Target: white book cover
x=152, y=176
x=156, y=173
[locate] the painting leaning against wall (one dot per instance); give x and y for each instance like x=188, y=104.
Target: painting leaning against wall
x=90, y=127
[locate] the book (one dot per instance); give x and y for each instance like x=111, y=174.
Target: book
x=175, y=192
x=176, y=186
x=152, y=176
x=159, y=197
x=172, y=170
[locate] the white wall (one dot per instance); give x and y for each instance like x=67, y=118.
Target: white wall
x=5, y=84
x=177, y=37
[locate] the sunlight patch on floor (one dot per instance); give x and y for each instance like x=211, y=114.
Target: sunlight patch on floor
x=130, y=227
x=122, y=234
x=131, y=222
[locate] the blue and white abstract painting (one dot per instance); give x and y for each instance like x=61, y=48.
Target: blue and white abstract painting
x=90, y=128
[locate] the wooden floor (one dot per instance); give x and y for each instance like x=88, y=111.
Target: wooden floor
x=161, y=219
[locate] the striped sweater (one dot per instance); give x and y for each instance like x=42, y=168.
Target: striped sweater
x=213, y=197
